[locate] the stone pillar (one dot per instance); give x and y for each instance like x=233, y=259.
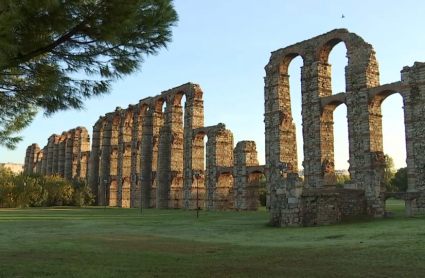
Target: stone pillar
x=115, y=169
x=285, y=202
x=126, y=175
x=55, y=163
x=246, y=190
x=44, y=161
x=146, y=154
x=61, y=154
x=138, y=117
x=105, y=163
x=157, y=123
x=50, y=150
x=317, y=128
x=413, y=80
x=83, y=153
x=39, y=161
x=280, y=130
x=84, y=165
x=365, y=128
x=219, y=154
x=32, y=160
x=68, y=153
x=327, y=148
x=193, y=155
x=280, y=133
x=27, y=159
x=95, y=158
x=124, y=157
x=408, y=207
x=169, y=193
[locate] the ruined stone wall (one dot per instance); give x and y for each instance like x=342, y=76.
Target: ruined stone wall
x=139, y=112
x=147, y=155
x=247, y=183
x=363, y=98
x=66, y=155
x=170, y=155
x=158, y=150
x=413, y=92
x=219, y=153
x=147, y=147
x=33, y=157
x=324, y=207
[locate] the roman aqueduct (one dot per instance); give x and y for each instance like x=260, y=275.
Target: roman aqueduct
x=153, y=156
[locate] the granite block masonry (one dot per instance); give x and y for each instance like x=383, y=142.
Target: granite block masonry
x=158, y=153
x=363, y=98
x=147, y=155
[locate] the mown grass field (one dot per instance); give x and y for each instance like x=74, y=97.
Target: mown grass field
x=92, y=242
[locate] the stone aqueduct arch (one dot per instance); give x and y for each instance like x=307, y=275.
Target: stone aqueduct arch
x=67, y=155
x=157, y=150
x=152, y=149
x=363, y=98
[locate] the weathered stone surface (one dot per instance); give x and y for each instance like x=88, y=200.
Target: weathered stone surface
x=67, y=155
x=154, y=154
x=147, y=155
x=363, y=98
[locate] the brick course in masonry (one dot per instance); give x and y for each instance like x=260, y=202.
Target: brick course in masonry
x=289, y=206
x=158, y=153
x=147, y=155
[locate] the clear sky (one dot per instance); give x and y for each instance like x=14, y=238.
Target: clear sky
x=224, y=45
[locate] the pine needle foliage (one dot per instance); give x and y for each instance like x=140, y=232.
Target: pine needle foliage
x=55, y=54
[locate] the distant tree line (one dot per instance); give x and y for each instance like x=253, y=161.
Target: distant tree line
x=36, y=190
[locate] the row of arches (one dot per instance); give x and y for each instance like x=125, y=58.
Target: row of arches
x=149, y=154
x=362, y=97
x=67, y=155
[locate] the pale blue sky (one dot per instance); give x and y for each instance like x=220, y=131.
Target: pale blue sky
x=224, y=46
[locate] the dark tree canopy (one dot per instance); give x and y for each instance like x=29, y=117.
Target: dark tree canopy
x=47, y=45
x=400, y=180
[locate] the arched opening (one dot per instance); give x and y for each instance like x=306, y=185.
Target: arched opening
x=252, y=192
x=180, y=105
x=263, y=191
x=224, y=191
x=113, y=193
x=334, y=142
x=336, y=65
x=83, y=166
x=340, y=127
x=391, y=137
x=341, y=145
x=75, y=166
x=126, y=160
x=176, y=192
x=114, y=162
x=125, y=196
x=295, y=106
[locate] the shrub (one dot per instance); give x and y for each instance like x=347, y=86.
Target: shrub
x=36, y=190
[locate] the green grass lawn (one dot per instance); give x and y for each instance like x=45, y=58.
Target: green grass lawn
x=92, y=242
